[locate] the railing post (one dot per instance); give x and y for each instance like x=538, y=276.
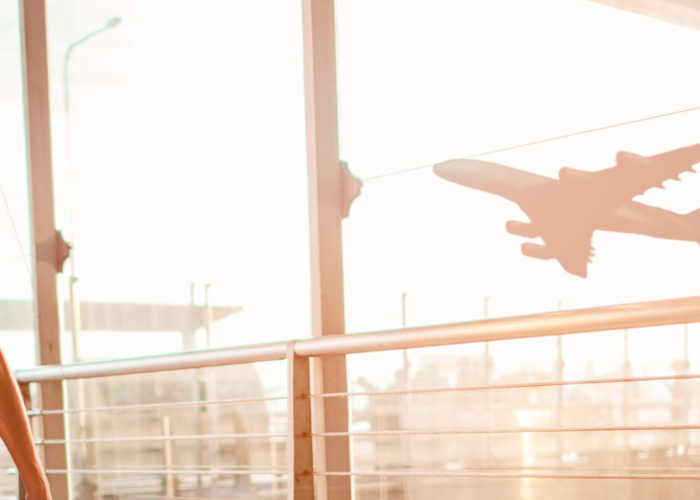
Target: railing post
x=300, y=479
x=49, y=250
x=170, y=486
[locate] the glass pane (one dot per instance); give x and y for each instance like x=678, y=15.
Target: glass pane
x=140, y=433
x=16, y=316
x=16, y=295
x=575, y=398
x=180, y=157
x=524, y=85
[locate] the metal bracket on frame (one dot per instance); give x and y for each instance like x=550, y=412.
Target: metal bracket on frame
x=350, y=188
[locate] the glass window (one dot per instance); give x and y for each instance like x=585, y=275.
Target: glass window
x=16, y=316
x=533, y=86
x=179, y=149
x=16, y=294
x=242, y=451
x=422, y=414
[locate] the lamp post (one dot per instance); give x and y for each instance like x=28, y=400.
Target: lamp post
x=110, y=23
x=87, y=452
x=75, y=304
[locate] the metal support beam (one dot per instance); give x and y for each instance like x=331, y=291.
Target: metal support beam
x=300, y=482
x=326, y=213
x=46, y=247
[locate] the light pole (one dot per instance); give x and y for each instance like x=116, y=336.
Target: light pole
x=87, y=452
x=111, y=23
x=75, y=304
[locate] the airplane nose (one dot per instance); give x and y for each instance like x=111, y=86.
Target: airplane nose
x=477, y=174
x=439, y=169
x=451, y=169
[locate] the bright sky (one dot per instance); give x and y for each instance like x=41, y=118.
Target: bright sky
x=187, y=159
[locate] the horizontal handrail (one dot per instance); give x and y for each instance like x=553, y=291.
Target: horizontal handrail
x=149, y=364
x=616, y=317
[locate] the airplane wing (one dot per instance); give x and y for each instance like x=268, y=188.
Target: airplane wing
x=634, y=174
x=557, y=215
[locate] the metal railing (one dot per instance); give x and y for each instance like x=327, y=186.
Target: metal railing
x=301, y=468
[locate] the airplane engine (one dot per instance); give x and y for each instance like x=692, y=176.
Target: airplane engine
x=518, y=228
x=536, y=251
x=568, y=173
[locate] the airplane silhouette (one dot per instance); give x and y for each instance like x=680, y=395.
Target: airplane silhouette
x=566, y=212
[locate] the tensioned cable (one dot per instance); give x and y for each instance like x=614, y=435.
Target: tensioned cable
x=523, y=385
x=510, y=475
x=151, y=406
x=182, y=437
x=14, y=257
x=541, y=141
x=608, y=405
x=510, y=430
x=207, y=467
x=128, y=496
x=221, y=472
x=15, y=231
x=564, y=468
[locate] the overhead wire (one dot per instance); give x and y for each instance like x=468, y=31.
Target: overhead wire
x=540, y=141
x=14, y=257
x=22, y=253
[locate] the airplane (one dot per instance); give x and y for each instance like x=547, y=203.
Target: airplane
x=566, y=212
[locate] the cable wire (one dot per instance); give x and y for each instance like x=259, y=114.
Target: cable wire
x=523, y=385
x=509, y=430
x=209, y=472
x=16, y=232
x=155, y=406
x=510, y=475
x=541, y=141
x=179, y=437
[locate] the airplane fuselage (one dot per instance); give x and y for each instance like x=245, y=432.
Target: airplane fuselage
x=528, y=191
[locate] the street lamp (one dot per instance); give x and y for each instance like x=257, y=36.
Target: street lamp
x=75, y=304
x=112, y=22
